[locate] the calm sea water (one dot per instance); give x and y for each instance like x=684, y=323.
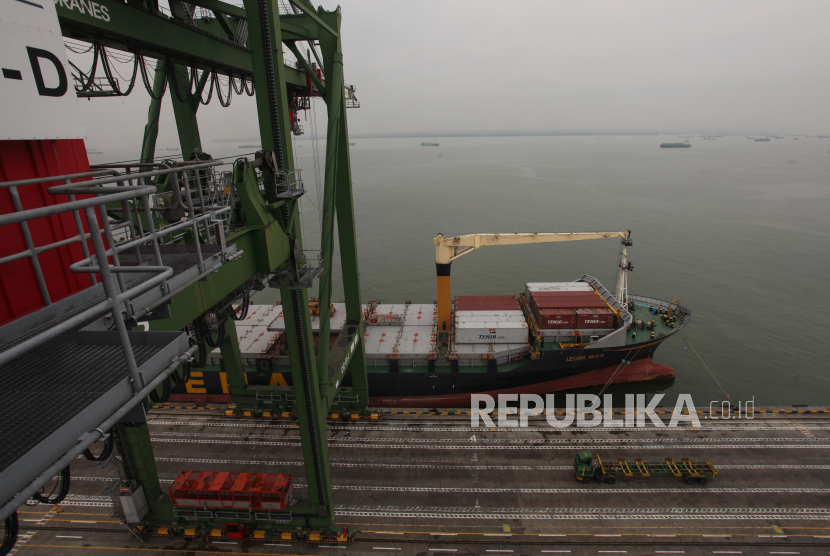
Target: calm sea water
x=736, y=228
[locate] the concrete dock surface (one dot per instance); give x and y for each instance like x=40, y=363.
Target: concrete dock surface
x=431, y=484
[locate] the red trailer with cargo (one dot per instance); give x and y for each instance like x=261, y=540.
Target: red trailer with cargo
x=244, y=491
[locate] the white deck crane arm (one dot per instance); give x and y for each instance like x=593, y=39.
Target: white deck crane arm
x=451, y=248
x=448, y=249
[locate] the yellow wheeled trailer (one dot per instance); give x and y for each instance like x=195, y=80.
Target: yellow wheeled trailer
x=691, y=472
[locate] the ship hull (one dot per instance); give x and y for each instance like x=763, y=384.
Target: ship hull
x=643, y=370
x=555, y=370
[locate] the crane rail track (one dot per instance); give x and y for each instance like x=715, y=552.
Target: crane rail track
x=453, y=419
x=664, y=541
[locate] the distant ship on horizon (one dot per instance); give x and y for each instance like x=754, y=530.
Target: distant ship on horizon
x=683, y=145
x=429, y=144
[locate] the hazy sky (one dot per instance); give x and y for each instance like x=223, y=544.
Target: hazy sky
x=553, y=65
x=558, y=66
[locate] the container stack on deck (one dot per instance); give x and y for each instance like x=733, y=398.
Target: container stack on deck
x=564, y=311
x=405, y=333
x=487, y=326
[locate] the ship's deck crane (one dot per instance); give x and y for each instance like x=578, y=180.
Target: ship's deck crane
x=449, y=249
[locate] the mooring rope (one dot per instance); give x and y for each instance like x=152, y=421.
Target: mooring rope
x=703, y=364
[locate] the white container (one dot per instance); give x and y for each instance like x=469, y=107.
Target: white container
x=496, y=315
x=488, y=318
x=538, y=287
x=491, y=333
x=558, y=287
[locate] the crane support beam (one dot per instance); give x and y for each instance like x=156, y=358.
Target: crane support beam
x=451, y=248
x=309, y=12
x=132, y=29
x=309, y=72
x=221, y=7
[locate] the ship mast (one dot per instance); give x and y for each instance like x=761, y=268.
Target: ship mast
x=624, y=267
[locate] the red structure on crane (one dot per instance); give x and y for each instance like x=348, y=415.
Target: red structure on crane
x=253, y=491
x=301, y=100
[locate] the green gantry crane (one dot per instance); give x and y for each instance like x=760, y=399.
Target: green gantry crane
x=193, y=43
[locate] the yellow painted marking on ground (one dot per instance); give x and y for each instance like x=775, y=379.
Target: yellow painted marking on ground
x=476, y=533
x=216, y=550
x=761, y=528
x=64, y=513
x=97, y=520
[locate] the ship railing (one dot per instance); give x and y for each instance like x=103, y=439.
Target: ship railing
x=103, y=186
x=617, y=337
x=677, y=308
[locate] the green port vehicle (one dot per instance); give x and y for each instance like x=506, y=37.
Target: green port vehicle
x=587, y=470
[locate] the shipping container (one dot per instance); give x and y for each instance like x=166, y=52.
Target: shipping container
x=489, y=318
x=533, y=287
x=486, y=302
x=578, y=304
x=555, y=318
x=594, y=318
x=566, y=300
x=551, y=286
x=565, y=295
x=491, y=332
x=496, y=315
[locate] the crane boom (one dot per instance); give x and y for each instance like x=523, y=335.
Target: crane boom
x=451, y=248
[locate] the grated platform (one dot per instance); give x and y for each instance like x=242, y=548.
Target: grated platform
x=45, y=388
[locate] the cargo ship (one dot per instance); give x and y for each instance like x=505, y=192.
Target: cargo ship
x=423, y=144
x=683, y=145
x=550, y=337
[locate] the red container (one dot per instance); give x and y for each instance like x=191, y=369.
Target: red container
x=565, y=296
x=258, y=491
x=581, y=297
x=571, y=304
x=486, y=303
x=555, y=318
x=594, y=318
x=566, y=300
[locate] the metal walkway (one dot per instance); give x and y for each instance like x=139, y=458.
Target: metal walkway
x=72, y=369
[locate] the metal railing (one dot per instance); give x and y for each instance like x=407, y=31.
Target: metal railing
x=193, y=190
x=290, y=184
x=106, y=186
x=100, y=86
x=682, y=310
x=618, y=336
